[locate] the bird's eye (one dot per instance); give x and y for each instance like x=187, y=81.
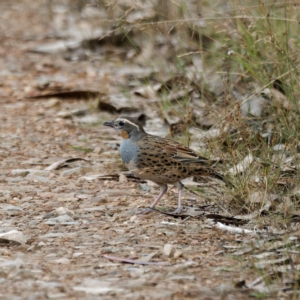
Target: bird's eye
x=121, y=123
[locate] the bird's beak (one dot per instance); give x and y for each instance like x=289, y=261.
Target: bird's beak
x=109, y=123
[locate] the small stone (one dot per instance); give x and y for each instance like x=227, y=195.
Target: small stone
x=177, y=253
x=15, y=236
x=77, y=254
x=64, y=211
x=33, y=223
x=144, y=187
x=12, y=208
x=67, y=199
x=62, y=261
x=83, y=196
x=49, y=215
x=98, y=150
x=96, y=208
x=168, y=250
x=52, y=235
x=47, y=194
x=101, y=198
x=51, y=255
x=64, y=219
x=26, y=199
x=20, y=172
x=122, y=178
x=31, y=248
x=133, y=218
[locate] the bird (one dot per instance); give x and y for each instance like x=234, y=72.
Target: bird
x=160, y=160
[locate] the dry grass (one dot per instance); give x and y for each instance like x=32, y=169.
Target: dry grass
x=242, y=61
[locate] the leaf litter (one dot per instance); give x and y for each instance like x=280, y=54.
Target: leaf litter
x=68, y=208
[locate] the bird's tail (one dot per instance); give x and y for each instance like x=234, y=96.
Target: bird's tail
x=203, y=176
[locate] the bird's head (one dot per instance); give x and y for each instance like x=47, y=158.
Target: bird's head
x=128, y=127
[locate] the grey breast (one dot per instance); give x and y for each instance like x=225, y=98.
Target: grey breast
x=129, y=153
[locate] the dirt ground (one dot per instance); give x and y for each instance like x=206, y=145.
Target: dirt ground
x=67, y=220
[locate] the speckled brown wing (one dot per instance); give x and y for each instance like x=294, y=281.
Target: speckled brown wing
x=183, y=154
x=175, y=151
x=164, y=160
x=196, y=164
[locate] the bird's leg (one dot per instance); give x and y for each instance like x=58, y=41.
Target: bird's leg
x=179, y=207
x=163, y=189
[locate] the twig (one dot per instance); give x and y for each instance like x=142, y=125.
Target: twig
x=135, y=261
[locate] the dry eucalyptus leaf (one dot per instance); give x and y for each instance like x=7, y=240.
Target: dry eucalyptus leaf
x=148, y=91
x=242, y=166
x=61, y=163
